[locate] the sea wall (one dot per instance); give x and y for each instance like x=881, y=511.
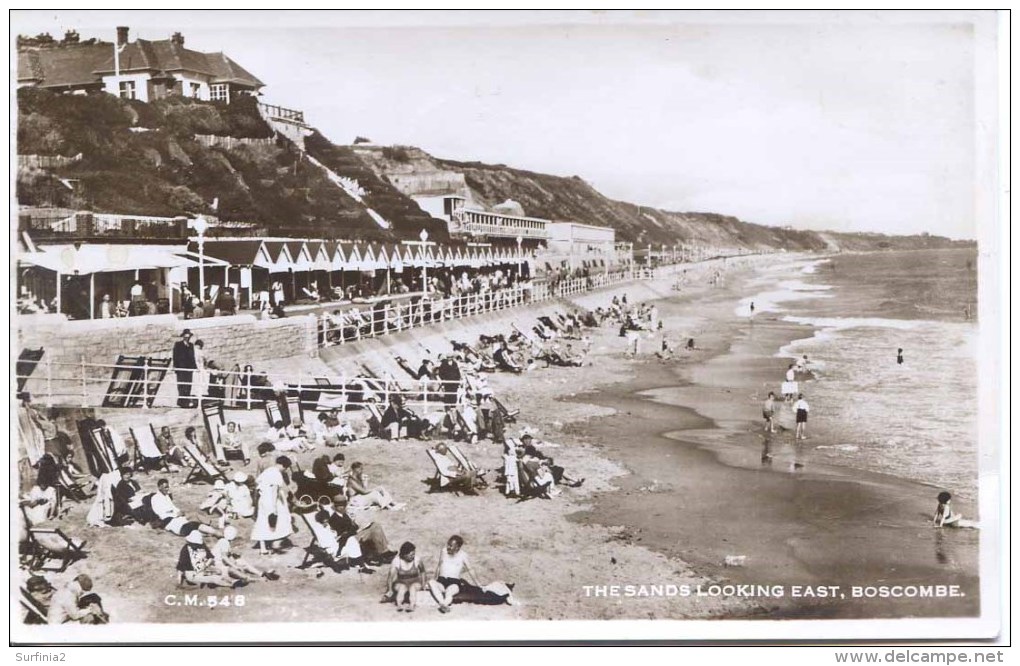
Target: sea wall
x=237, y=339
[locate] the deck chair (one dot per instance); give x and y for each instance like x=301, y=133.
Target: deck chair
x=71, y=488
x=221, y=452
x=35, y=611
x=99, y=452
x=28, y=359
x=50, y=544
x=293, y=409
x=375, y=414
x=509, y=415
x=145, y=447
x=204, y=470
x=469, y=426
x=323, y=549
x=273, y=413
x=443, y=481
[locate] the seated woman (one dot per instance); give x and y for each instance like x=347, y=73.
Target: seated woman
x=239, y=499
x=362, y=496
x=196, y=565
x=405, y=579
x=286, y=438
x=231, y=439
x=216, y=502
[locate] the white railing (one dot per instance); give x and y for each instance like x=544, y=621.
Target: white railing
x=87, y=384
x=350, y=326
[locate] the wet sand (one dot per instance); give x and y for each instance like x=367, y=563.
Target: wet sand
x=690, y=435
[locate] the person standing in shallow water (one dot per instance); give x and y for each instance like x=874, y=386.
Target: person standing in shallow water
x=899, y=356
x=768, y=411
x=801, y=408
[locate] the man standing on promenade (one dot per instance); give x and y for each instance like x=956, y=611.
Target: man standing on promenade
x=184, y=366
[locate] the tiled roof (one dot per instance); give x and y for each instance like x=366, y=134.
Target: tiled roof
x=78, y=65
x=64, y=66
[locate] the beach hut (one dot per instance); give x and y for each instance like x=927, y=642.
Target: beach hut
x=281, y=263
x=247, y=270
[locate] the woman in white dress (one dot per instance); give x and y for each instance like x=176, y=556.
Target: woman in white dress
x=272, y=518
x=200, y=380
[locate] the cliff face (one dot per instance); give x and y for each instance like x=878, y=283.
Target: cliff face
x=415, y=172
x=176, y=156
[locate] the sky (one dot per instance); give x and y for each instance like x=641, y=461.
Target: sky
x=862, y=122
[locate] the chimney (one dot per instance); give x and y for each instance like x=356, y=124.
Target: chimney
x=177, y=40
x=122, y=35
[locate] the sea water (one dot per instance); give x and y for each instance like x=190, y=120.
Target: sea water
x=917, y=419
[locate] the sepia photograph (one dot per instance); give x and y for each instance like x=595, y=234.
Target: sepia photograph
x=455, y=326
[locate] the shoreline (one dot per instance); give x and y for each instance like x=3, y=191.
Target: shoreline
x=821, y=524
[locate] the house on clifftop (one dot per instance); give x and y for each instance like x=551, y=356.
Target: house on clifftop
x=143, y=69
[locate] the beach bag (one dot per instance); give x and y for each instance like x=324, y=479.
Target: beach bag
x=273, y=519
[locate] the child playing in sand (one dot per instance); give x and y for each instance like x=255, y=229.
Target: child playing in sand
x=406, y=578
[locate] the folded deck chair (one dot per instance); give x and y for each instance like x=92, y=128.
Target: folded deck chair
x=323, y=549
x=50, y=545
x=36, y=612
x=99, y=451
x=445, y=481
x=145, y=446
x=28, y=359
x=294, y=410
x=274, y=414
x=204, y=470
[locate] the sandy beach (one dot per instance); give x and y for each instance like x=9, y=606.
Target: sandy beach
x=672, y=456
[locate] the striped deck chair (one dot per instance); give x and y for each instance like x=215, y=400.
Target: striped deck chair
x=324, y=548
x=50, y=545
x=204, y=470
x=147, y=454
x=35, y=611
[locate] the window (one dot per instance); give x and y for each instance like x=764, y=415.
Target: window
x=218, y=92
x=127, y=89
x=195, y=87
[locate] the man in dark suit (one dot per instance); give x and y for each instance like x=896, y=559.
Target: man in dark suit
x=184, y=366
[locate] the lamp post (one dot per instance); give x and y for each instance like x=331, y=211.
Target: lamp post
x=200, y=225
x=520, y=258
x=424, y=236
